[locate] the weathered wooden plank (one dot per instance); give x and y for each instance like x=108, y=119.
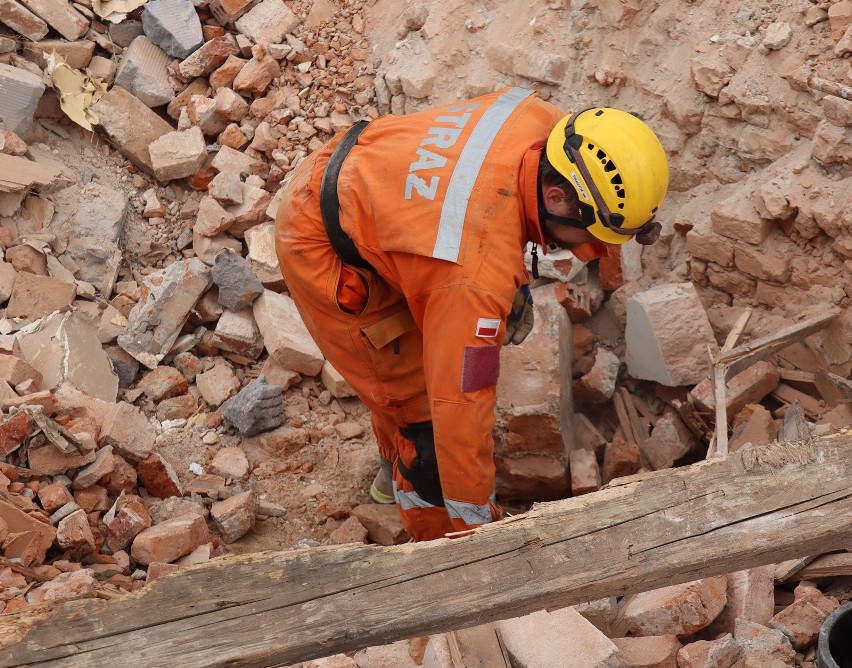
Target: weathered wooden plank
x=755, y=506
x=747, y=354
x=826, y=566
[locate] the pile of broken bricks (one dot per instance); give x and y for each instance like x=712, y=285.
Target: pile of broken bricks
x=99, y=359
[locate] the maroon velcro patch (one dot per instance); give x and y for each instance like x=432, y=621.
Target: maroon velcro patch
x=480, y=367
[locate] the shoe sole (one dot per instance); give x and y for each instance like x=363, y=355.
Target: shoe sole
x=380, y=497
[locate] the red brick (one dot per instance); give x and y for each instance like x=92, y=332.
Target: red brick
x=92, y=498
x=802, y=620
x=162, y=383
x=169, y=540
x=127, y=429
x=98, y=469
x=124, y=527
x=228, y=11
x=50, y=460
x=678, y=610
x=35, y=296
x=74, y=533
x=532, y=476
x=14, y=370
x=585, y=473
x=54, y=496
x=235, y=516
x=14, y=431
x=158, y=569
x=621, y=458
x=26, y=546
x=351, y=531
x=158, y=477
x=747, y=387
x=22, y=21
x=648, y=652
x=382, y=522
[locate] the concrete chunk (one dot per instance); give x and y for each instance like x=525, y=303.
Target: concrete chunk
x=130, y=126
x=22, y=91
x=143, y=73
x=65, y=348
x=173, y=25
x=238, y=286
x=155, y=322
x=284, y=334
x=559, y=639
x=177, y=155
x=667, y=335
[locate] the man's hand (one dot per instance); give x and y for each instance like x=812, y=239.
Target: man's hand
x=520, y=321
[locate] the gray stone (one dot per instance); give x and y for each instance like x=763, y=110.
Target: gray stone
x=238, y=286
x=173, y=25
x=93, y=235
x=258, y=407
x=125, y=32
x=21, y=91
x=143, y=73
x=125, y=366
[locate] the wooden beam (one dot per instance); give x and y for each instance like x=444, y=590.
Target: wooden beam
x=826, y=566
x=755, y=506
x=747, y=354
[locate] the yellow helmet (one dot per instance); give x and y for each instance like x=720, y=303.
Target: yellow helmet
x=618, y=167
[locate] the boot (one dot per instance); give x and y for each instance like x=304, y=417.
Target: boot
x=381, y=491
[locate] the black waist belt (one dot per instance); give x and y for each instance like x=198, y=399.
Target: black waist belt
x=330, y=205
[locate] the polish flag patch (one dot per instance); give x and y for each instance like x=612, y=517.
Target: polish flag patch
x=486, y=328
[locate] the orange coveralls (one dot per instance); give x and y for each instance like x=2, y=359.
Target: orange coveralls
x=441, y=204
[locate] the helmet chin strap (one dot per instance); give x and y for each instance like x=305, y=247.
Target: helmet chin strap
x=586, y=212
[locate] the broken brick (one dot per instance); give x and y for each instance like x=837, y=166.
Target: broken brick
x=235, y=516
x=158, y=477
x=169, y=540
x=382, y=522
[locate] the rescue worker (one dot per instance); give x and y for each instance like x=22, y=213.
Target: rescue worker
x=402, y=243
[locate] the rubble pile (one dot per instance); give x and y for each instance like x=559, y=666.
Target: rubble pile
x=162, y=401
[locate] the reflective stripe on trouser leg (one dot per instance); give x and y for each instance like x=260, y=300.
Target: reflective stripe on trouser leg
x=470, y=513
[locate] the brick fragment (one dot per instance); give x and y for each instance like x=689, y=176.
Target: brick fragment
x=751, y=597
x=130, y=126
x=70, y=586
x=228, y=11
x=207, y=58
x=268, y=22
x=22, y=20
x=162, y=383
x=230, y=462
x=754, y=637
x=382, y=523
x=284, y=333
x=334, y=382
x=351, y=531
x=547, y=640
x=234, y=517
x=14, y=431
x=177, y=155
x=585, y=473
x=25, y=546
x=217, y=385
x=597, y=386
x=102, y=466
x=532, y=476
x=747, y=387
x=257, y=75
x=737, y=218
x=157, y=570
x=667, y=335
x=54, y=496
x=128, y=431
x=802, y=620
x=669, y=441
x=74, y=533
x=621, y=458
x=127, y=523
x=60, y=16
x=754, y=424
x=169, y=540
x=158, y=477
x=176, y=408
x=50, y=460
x=648, y=652
x=679, y=610
x=723, y=651
x=35, y=296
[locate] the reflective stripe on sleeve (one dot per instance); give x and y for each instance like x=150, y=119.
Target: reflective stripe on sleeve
x=466, y=171
x=409, y=500
x=469, y=513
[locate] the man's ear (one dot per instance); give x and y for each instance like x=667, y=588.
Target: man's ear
x=553, y=196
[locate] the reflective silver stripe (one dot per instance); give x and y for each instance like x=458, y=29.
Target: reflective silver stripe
x=469, y=513
x=466, y=171
x=409, y=500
